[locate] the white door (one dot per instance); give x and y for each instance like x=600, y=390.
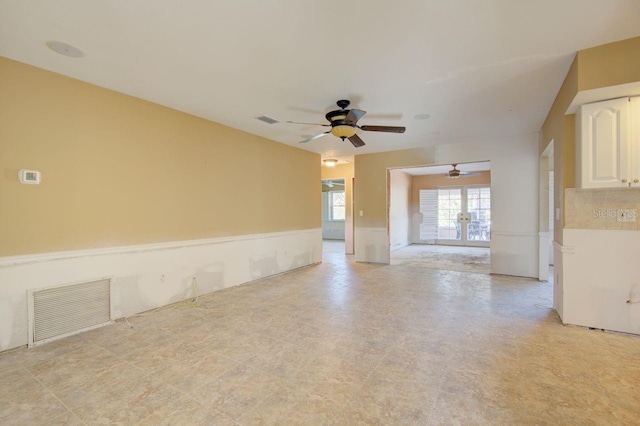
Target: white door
x=464, y=216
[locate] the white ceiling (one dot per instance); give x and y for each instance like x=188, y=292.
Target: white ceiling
x=479, y=68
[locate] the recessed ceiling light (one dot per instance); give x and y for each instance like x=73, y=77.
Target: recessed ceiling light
x=422, y=116
x=65, y=49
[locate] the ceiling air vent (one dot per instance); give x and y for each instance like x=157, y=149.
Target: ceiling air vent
x=267, y=120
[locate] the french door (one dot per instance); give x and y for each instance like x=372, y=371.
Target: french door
x=464, y=215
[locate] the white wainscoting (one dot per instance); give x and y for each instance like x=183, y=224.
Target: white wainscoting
x=333, y=229
x=543, y=256
x=600, y=273
x=372, y=245
x=514, y=253
x=558, y=279
x=152, y=275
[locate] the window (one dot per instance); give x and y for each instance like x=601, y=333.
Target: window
x=336, y=205
x=479, y=206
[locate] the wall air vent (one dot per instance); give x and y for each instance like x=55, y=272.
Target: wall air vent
x=60, y=311
x=267, y=120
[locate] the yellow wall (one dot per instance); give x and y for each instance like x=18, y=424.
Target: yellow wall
x=370, y=192
x=609, y=65
x=117, y=170
x=553, y=126
x=569, y=150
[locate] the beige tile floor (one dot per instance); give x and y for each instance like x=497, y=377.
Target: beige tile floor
x=452, y=258
x=338, y=343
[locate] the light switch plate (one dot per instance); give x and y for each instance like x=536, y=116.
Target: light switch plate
x=29, y=176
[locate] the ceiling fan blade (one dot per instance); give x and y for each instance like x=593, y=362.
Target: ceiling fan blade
x=356, y=141
x=388, y=129
x=312, y=138
x=469, y=174
x=354, y=115
x=310, y=124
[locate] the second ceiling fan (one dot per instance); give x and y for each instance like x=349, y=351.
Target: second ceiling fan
x=455, y=173
x=344, y=122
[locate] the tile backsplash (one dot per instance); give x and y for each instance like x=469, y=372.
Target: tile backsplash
x=602, y=208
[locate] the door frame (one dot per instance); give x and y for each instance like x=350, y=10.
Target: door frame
x=464, y=208
x=545, y=237
x=349, y=223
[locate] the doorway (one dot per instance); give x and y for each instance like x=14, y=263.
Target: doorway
x=447, y=214
x=334, y=213
x=548, y=214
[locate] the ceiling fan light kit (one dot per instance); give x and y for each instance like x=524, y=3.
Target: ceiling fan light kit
x=343, y=131
x=344, y=122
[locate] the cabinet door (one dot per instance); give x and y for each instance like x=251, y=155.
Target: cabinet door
x=604, y=149
x=634, y=140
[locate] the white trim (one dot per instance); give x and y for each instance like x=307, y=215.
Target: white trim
x=495, y=233
x=543, y=256
x=145, y=278
x=603, y=94
x=46, y=257
x=564, y=249
x=376, y=230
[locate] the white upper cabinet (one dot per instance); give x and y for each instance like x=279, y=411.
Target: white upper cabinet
x=607, y=154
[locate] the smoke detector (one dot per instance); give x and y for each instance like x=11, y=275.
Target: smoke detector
x=65, y=49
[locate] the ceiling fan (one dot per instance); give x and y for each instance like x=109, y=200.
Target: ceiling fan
x=331, y=184
x=344, y=122
x=455, y=173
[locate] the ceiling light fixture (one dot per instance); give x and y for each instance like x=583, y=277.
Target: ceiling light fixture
x=343, y=131
x=65, y=49
x=330, y=162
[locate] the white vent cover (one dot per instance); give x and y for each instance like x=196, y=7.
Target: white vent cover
x=60, y=311
x=267, y=120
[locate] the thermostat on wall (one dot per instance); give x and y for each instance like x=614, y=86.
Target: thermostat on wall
x=29, y=176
